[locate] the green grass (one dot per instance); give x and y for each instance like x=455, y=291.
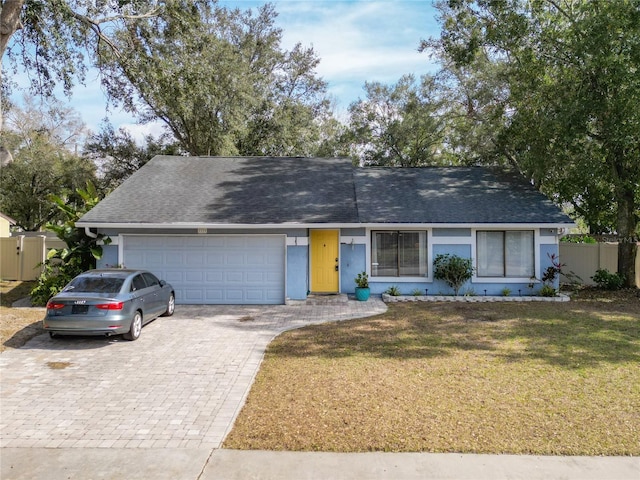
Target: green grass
x=11, y=291
x=487, y=378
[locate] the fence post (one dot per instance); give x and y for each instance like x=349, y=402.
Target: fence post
x=600, y=255
x=20, y=253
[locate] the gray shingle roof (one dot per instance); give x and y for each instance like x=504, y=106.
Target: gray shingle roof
x=450, y=195
x=277, y=190
x=235, y=190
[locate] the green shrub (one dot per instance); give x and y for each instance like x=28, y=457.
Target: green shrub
x=547, y=291
x=362, y=280
x=608, y=281
x=51, y=281
x=579, y=239
x=393, y=290
x=506, y=292
x=416, y=292
x=81, y=251
x=454, y=270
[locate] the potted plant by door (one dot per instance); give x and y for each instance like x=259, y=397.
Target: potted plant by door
x=362, y=287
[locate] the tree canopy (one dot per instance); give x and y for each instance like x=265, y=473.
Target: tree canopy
x=569, y=91
x=44, y=163
x=398, y=125
x=219, y=80
x=56, y=40
x=117, y=155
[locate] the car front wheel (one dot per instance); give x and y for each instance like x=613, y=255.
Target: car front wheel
x=136, y=327
x=171, y=306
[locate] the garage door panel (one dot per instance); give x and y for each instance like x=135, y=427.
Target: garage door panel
x=255, y=277
x=231, y=269
x=215, y=241
x=135, y=258
x=195, y=258
x=174, y=259
x=193, y=295
x=233, y=277
x=194, y=276
x=272, y=295
x=256, y=260
x=235, y=259
x=154, y=258
x=173, y=277
x=234, y=295
x=255, y=295
x=215, y=259
x=216, y=276
x=215, y=296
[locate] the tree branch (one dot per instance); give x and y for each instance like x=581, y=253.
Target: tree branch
x=94, y=25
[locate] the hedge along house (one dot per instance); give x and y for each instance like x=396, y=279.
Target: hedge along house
x=261, y=230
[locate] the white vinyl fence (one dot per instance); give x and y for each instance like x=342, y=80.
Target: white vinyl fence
x=21, y=256
x=583, y=259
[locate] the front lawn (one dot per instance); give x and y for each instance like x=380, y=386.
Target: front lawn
x=533, y=378
x=17, y=325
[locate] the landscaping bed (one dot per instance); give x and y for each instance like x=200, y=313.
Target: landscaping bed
x=471, y=298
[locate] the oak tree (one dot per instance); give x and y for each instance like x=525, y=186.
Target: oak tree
x=570, y=119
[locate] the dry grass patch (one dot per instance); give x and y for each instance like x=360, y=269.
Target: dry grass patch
x=485, y=378
x=17, y=325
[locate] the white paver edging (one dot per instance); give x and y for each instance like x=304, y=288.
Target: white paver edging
x=470, y=298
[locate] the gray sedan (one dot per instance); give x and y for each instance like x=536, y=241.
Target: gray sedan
x=109, y=302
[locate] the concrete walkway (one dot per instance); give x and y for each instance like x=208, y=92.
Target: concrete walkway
x=159, y=408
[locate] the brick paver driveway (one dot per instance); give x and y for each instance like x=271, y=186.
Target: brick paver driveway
x=180, y=385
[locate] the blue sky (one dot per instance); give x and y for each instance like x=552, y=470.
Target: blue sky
x=356, y=40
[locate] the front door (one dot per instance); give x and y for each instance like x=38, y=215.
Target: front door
x=324, y=261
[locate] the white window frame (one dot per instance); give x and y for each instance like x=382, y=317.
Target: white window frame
x=536, y=255
x=406, y=279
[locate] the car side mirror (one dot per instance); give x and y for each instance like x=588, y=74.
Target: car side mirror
x=162, y=283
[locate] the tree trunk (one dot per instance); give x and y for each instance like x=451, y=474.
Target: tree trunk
x=627, y=236
x=9, y=23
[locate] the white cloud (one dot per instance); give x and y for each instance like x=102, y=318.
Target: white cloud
x=139, y=131
x=359, y=41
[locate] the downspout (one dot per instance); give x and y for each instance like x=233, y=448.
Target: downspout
x=89, y=233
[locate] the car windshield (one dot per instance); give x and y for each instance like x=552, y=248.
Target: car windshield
x=95, y=285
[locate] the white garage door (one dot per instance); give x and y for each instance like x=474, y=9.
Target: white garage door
x=214, y=269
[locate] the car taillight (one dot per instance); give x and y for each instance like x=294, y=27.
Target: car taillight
x=110, y=306
x=54, y=305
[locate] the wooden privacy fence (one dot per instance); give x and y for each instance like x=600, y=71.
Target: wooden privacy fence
x=21, y=256
x=583, y=259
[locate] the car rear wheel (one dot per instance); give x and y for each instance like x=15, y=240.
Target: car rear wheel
x=136, y=327
x=171, y=306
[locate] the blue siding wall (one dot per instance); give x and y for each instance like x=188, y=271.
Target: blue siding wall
x=109, y=256
x=546, y=251
x=451, y=232
x=297, y=272
x=352, y=262
x=463, y=251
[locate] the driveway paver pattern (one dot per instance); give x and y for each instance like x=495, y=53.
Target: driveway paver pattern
x=181, y=385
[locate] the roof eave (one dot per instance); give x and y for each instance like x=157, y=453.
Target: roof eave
x=248, y=226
